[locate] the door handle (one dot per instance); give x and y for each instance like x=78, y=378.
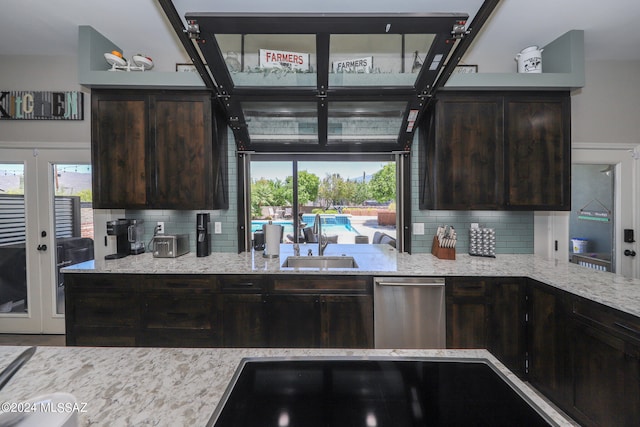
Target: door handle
x=628, y=252
x=42, y=248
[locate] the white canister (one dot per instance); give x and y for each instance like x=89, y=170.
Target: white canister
x=530, y=60
x=579, y=245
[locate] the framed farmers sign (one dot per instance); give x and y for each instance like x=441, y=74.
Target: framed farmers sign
x=293, y=61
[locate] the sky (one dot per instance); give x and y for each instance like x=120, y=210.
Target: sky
x=351, y=170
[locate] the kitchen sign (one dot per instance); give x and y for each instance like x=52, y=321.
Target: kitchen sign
x=359, y=65
x=603, y=215
x=35, y=105
x=284, y=60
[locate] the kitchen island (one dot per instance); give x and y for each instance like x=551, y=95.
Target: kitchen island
x=177, y=387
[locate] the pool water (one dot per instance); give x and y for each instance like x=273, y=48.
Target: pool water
x=331, y=224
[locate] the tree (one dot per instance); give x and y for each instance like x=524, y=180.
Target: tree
x=308, y=185
x=334, y=190
x=361, y=193
x=383, y=183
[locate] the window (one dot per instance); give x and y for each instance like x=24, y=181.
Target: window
x=355, y=197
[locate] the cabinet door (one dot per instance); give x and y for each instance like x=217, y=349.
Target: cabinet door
x=118, y=148
x=467, y=313
x=294, y=320
x=245, y=320
x=507, y=326
x=244, y=311
x=606, y=378
x=538, y=152
x=184, y=318
x=182, y=147
x=346, y=321
x=464, y=156
x=101, y=309
x=548, y=344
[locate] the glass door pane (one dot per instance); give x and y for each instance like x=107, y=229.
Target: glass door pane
x=73, y=221
x=282, y=60
x=13, y=239
x=356, y=200
x=364, y=122
x=272, y=196
x=282, y=122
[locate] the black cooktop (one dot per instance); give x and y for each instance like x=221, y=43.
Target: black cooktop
x=372, y=393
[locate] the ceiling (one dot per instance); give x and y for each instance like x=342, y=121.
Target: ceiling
x=45, y=27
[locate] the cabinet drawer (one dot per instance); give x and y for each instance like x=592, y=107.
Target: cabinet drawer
x=467, y=288
x=154, y=282
x=596, y=314
x=103, y=282
x=108, y=310
x=319, y=284
x=178, y=312
x=241, y=284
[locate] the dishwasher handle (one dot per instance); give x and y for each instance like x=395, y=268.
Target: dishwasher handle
x=432, y=282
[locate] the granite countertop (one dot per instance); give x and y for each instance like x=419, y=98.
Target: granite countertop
x=170, y=386
x=606, y=288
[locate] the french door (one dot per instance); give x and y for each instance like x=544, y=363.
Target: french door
x=43, y=228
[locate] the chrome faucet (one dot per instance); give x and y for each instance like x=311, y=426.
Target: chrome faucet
x=317, y=230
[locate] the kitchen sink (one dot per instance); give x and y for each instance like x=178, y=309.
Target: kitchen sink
x=320, y=262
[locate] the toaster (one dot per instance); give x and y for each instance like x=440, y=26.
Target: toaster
x=170, y=245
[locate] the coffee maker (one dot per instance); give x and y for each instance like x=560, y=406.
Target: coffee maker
x=120, y=229
x=203, y=236
x=136, y=236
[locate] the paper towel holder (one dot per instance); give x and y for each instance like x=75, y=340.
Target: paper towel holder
x=272, y=240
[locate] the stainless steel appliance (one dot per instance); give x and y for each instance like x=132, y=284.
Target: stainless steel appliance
x=203, y=235
x=119, y=228
x=170, y=246
x=135, y=234
x=409, y=312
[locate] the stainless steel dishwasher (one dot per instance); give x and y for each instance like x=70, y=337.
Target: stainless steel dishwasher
x=409, y=312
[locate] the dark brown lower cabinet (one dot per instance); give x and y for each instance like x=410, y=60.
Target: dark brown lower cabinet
x=101, y=311
x=244, y=320
x=294, y=320
x=605, y=357
x=244, y=314
x=321, y=312
x=488, y=313
x=548, y=343
x=346, y=321
x=220, y=310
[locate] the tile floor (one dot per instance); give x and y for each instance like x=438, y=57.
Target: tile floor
x=32, y=339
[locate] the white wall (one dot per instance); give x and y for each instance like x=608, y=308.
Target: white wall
x=607, y=109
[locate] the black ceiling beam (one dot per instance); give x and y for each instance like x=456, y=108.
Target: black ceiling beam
x=485, y=11
x=337, y=23
x=176, y=22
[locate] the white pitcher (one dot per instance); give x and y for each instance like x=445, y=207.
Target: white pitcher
x=530, y=60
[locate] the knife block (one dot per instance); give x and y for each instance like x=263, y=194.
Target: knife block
x=440, y=252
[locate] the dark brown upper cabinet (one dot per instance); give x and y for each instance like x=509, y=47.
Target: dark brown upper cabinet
x=488, y=150
x=537, y=138
x=157, y=150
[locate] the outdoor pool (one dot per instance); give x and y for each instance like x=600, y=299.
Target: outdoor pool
x=331, y=224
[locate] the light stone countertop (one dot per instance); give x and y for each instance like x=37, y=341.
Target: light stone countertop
x=606, y=288
x=171, y=386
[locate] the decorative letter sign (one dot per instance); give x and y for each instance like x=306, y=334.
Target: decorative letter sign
x=31, y=105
